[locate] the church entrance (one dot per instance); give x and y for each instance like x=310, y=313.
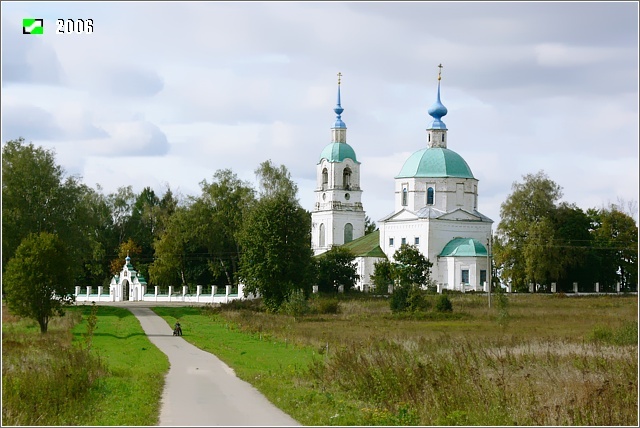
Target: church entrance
x=126, y=286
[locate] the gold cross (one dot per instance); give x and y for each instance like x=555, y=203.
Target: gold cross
x=440, y=72
x=339, y=76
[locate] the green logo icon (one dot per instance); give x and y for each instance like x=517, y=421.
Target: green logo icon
x=32, y=26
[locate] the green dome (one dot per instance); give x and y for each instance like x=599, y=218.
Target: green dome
x=435, y=162
x=464, y=247
x=337, y=152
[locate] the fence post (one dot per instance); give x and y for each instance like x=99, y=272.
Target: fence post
x=553, y=287
x=597, y=287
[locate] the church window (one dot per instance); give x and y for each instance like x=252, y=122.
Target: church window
x=430, y=196
x=346, y=178
x=443, y=138
x=325, y=178
x=483, y=277
x=465, y=276
x=348, y=233
x=405, y=193
x=416, y=241
x=404, y=241
x=391, y=242
x=429, y=137
x=322, y=239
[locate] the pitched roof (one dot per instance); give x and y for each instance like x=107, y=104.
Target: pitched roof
x=366, y=246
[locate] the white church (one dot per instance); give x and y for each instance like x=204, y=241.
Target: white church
x=436, y=209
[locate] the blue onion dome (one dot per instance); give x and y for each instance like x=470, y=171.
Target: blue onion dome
x=338, y=110
x=127, y=259
x=438, y=110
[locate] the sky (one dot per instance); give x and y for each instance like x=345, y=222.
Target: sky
x=167, y=93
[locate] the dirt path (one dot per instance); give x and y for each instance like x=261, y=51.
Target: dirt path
x=200, y=389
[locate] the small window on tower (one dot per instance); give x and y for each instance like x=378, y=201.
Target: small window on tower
x=443, y=138
x=405, y=192
x=429, y=137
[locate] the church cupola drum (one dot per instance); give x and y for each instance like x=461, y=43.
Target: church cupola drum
x=338, y=216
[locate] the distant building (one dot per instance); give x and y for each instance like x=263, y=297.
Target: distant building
x=436, y=209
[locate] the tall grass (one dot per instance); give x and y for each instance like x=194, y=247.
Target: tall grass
x=528, y=360
x=45, y=378
x=466, y=382
x=94, y=366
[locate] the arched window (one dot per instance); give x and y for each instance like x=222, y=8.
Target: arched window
x=325, y=178
x=321, y=240
x=404, y=196
x=346, y=178
x=348, y=233
x=430, y=196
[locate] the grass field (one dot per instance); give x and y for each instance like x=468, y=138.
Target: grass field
x=530, y=360
x=61, y=378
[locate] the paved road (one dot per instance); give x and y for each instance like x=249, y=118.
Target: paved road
x=200, y=389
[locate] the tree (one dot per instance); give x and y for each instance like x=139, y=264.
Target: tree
x=382, y=277
x=574, y=250
x=221, y=210
x=336, y=267
x=369, y=225
x=180, y=257
x=38, y=281
x=529, y=203
x=37, y=196
x=615, y=237
x=542, y=262
x=274, y=180
x=411, y=267
x=121, y=205
x=127, y=249
x=276, y=257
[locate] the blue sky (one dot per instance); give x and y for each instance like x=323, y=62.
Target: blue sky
x=170, y=92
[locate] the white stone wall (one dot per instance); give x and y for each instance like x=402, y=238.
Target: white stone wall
x=445, y=193
x=365, y=267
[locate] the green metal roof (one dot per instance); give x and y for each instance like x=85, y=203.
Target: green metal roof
x=366, y=246
x=464, y=247
x=435, y=162
x=337, y=152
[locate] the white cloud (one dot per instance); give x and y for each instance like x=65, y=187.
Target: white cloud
x=170, y=92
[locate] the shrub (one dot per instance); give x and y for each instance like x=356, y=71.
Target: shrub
x=443, y=304
x=296, y=304
x=326, y=306
x=399, y=297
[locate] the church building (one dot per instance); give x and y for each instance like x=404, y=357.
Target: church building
x=435, y=209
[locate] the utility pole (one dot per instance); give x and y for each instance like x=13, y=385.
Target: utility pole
x=489, y=267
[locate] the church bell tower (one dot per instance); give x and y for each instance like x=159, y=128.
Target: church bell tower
x=338, y=216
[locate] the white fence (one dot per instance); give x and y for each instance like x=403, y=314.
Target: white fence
x=174, y=294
